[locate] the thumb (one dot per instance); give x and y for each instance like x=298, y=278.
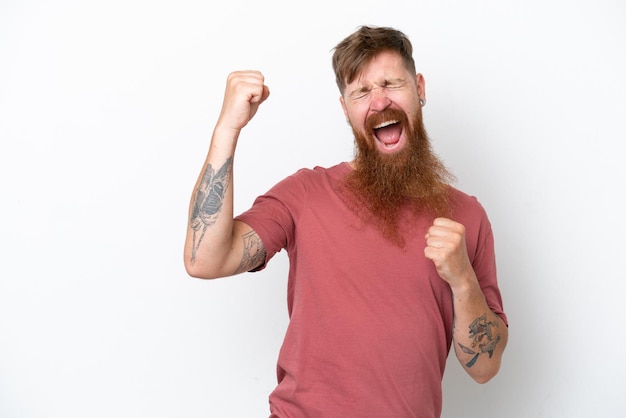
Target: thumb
x=265, y=94
x=257, y=100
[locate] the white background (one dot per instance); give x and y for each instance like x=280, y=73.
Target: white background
x=106, y=111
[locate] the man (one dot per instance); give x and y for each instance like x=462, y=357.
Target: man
x=389, y=264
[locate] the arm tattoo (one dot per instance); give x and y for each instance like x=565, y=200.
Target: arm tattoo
x=484, y=342
x=253, y=252
x=208, y=201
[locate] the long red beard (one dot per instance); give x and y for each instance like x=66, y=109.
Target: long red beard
x=385, y=186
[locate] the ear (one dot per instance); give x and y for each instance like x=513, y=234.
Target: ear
x=421, y=86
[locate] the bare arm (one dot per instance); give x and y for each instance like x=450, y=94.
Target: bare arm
x=479, y=335
x=216, y=245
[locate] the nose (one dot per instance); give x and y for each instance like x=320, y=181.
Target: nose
x=379, y=100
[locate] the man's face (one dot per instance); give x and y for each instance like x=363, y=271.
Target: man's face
x=394, y=167
x=382, y=102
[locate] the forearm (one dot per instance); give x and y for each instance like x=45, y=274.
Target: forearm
x=479, y=335
x=210, y=227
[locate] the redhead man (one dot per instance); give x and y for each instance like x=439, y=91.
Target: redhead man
x=390, y=265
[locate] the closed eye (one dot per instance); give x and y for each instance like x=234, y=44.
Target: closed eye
x=360, y=93
x=393, y=85
x=363, y=92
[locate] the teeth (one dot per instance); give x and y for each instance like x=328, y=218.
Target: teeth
x=386, y=123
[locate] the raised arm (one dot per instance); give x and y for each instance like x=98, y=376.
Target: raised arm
x=216, y=245
x=479, y=335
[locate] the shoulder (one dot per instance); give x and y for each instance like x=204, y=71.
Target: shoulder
x=317, y=172
x=316, y=177
x=464, y=203
x=479, y=237
x=468, y=210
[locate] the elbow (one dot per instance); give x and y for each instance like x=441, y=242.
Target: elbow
x=196, y=273
x=200, y=269
x=203, y=272
x=484, y=375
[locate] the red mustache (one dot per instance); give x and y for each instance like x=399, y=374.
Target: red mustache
x=386, y=115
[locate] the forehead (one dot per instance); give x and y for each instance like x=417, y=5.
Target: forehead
x=384, y=66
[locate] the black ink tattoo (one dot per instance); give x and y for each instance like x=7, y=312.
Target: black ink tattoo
x=253, y=252
x=484, y=342
x=208, y=202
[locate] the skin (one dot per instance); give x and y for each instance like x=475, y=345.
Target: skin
x=218, y=246
x=383, y=83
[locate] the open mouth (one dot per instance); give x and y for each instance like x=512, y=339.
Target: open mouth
x=388, y=132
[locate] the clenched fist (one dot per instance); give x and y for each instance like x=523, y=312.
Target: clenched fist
x=245, y=91
x=445, y=246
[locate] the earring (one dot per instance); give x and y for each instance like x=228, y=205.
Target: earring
x=422, y=102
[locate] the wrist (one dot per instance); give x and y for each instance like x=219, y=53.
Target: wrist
x=225, y=138
x=223, y=130
x=465, y=288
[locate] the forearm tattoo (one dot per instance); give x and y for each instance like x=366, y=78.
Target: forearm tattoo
x=483, y=339
x=253, y=252
x=208, y=202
